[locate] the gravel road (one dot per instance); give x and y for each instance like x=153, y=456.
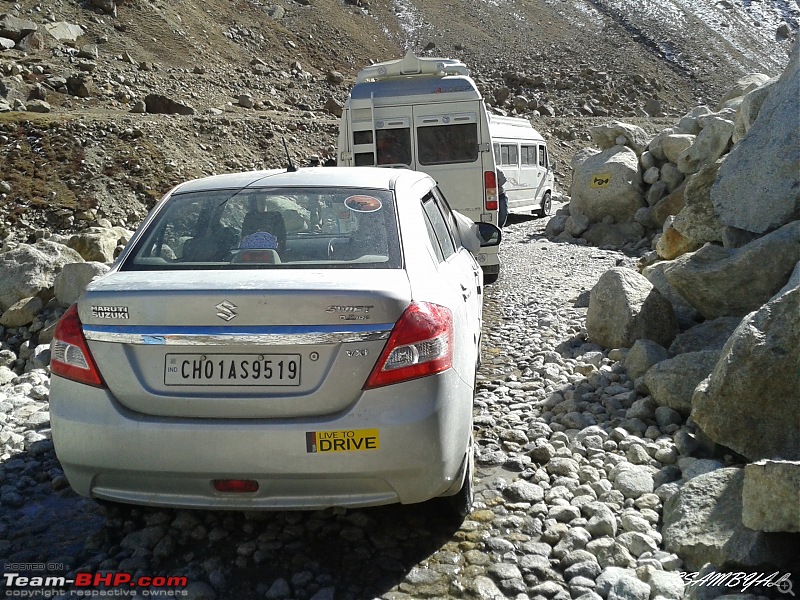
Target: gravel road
x=568, y=457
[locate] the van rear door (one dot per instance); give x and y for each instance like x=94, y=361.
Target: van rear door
x=452, y=145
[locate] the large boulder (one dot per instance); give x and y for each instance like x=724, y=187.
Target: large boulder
x=107, y=6
x=722, y=282
x=708, y=146
x=608, y=184
x=770, y=496
x=690, y=122
x=643, y=355
x=686, y=314
x=673, y=244
x=750, y=403
x=670, y=205
x=63, y=31
x=14, y=28
x=159, y=104
x=613, y=234
x=606, y=136
x=672, y=382
x=709, y=335
x=22, y=313
x=703, y=523
x=697, y=220
x=748, y=110
x=625, y=307
x=674, y=144
x=28, y=270
x=72, y=280
x=99, y=243
x=743, y=86
x=758, y=187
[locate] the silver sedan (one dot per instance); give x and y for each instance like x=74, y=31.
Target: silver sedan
x=278, y=340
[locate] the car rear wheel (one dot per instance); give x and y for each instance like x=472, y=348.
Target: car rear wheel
x=546, y=206
x=459, y=505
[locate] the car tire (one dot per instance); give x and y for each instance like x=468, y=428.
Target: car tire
x=546, y=206
x=459, y=505
x=490, y=278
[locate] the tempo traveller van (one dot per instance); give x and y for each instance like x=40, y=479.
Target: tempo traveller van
x=521, y=153
x=428, y=115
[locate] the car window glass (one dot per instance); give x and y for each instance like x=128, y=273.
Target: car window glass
x=393, y=146
x=437, y=249
x=440, y=227
x=443, y=144
x=542, y=156
x=271, y=228
x=364, y=159
x=447, y=213
x=508, y=154
x=362, y=137
x=528, y=155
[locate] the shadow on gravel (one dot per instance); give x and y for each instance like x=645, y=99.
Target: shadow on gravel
x=356, y=554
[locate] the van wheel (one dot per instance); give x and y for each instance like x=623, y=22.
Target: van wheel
x=547, y=206
x=490, y=278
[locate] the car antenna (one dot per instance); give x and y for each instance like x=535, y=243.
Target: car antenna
x=290, y=165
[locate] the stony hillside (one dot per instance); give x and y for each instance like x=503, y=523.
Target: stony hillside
x=79, y=141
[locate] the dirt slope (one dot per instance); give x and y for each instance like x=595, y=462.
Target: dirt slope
x=583, y=60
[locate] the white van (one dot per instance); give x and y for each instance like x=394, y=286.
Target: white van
x=427, y=114
x=521, y=153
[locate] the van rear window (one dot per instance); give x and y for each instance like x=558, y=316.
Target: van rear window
x=443, y=144
x=362, y=137
x=393, y=146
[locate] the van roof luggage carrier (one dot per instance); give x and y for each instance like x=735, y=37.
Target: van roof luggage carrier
x=412, y=65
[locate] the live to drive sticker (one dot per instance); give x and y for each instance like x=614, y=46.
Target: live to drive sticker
x=351, y=440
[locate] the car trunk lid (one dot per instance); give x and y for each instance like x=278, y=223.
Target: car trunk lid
x=243, y=344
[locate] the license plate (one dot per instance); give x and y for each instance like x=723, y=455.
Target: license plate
x=232, y=369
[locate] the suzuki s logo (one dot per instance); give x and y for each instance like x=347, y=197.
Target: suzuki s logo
x=227, y=310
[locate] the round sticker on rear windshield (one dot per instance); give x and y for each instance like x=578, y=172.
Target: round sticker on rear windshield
x=363, y=204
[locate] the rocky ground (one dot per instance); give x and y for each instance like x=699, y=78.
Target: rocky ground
x=569, y=458
x=574, y=466
x=574, y=462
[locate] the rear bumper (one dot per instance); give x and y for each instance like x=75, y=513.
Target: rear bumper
x=110, y=452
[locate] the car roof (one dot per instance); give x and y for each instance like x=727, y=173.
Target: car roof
x=362, y=177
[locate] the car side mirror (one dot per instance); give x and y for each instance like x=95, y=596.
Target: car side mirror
x=489, y=234
x=553, y=165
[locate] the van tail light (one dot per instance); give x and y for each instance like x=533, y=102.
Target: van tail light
x=490, y=190
x=421, y=343
x=69, y=355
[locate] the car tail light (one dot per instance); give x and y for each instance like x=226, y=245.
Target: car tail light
x=236, y=486
x=490, y=190
x=69, y=354
x=421, y=343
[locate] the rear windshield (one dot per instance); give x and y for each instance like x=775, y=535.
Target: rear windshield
x=444, y=144
x=271, y=228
